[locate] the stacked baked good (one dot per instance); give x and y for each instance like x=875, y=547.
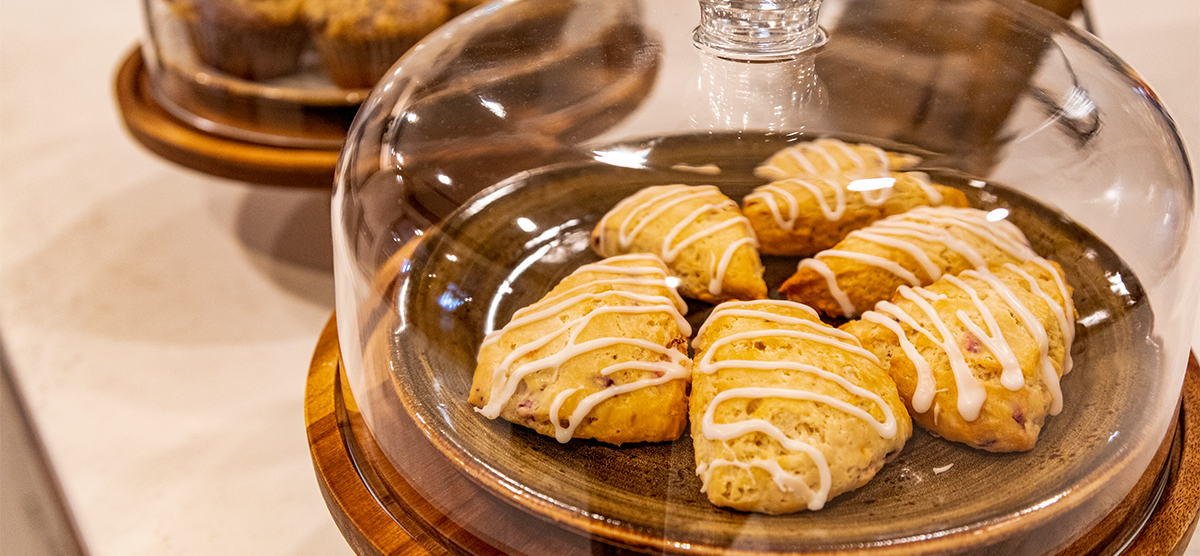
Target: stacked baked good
x=824, y=189
x=969, y=334
x=914, y=248
x=357, y=40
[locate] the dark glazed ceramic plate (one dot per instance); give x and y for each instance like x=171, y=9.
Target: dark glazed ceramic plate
x=509, y=245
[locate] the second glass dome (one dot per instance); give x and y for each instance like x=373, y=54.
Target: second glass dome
x=477, y=174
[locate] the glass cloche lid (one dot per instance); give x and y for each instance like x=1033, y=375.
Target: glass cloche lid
x=855, y=276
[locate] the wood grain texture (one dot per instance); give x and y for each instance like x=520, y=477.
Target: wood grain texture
x=365, y=524
x=370, y=501
x=1174, y=521
x=188, y=146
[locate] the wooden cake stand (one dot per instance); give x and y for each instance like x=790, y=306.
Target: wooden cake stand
x=183, y=143
x=379, y=512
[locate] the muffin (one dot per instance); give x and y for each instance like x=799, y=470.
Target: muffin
x=603, y=356
x=698, y=231
x=788, y=412
x=359, y=40
x=250, y=39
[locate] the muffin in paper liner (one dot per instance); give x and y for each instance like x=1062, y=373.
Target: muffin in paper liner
x=358, y=40
x=250, y=39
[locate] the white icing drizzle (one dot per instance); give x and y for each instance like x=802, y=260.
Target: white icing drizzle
x=540, y=310
x=655, y=281
x=718, y=268
x=1001, y=233
x=681, y=193
x=670, y=371
x=1065, y=312
x=971, y=394
x=800, y=155
x=821, y=149
x=506, y=379
x=930, y=224
x=875, y=260
x=1035, y=328
x=899, y=227
x=504, y=383
x=926, y=386
x=555, y=309
x=653, y=202
x=861, y=169
x=932, y=270
x=935, y=197
x=843, y=300
x=930, y=295
x=765, y=193
x=820, y=187
x=707, y=366
x=993, y=339
x=735, y=309
x=669, y=253
x=835, y=180
x=836, y=212
x=876, y=197
x=784, y=480
x=728, y=431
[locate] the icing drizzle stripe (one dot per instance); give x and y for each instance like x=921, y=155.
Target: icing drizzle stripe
x=710, y=429
x=672, y=364
x=653, y=202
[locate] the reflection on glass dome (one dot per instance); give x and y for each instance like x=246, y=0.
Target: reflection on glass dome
x=969, y=201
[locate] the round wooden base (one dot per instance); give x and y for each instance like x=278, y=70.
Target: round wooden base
x=189, y=146
x=379, y=512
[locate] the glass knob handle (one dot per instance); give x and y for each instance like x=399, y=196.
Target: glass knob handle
x=758, y=31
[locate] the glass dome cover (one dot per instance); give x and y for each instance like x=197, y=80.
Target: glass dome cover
x=477, y=170
x=287, y=73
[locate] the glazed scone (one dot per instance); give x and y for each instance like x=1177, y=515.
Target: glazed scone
x=698, y=231
x=978, y=357
x=833, y=158
x=788, y=412
x=803, y=215
x=914, y=248
x=603, y=355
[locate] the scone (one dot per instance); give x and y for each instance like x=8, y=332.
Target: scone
x=803, y=215
x=914, y=249
x=978, y=357
x=833, y=158
x=788, y=412
x=603, y=356
x=698, y=231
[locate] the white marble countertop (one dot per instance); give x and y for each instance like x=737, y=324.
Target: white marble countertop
x=160, y=322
